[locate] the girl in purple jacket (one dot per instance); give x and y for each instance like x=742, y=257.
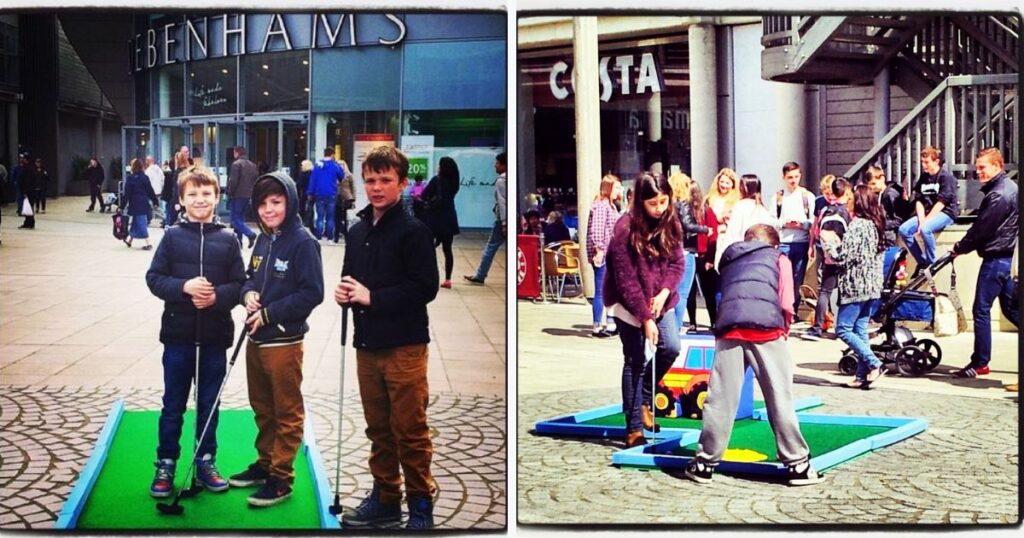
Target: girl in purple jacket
x=645, y=265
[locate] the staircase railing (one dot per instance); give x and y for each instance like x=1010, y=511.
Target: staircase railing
x=963, y=45
x=961, y=116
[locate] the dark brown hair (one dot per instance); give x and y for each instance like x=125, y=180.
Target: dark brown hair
x=765, y=233
x=653, y=237
x=380, y=158
x=866, y=206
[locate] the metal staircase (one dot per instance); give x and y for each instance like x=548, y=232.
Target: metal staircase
x=962, y=69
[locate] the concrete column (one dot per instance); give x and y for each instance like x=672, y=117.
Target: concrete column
x=97, y=138
x=790, y=134
x=588, y=130
x=703, y=103
x=726, y=104
x=526, y=158
x=654, y=135
x=882, y=104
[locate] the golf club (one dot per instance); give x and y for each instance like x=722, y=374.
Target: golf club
x=336, y=508
x=175, y=508
x=649, y=353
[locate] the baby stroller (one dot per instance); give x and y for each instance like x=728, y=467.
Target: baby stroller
x=912, y=356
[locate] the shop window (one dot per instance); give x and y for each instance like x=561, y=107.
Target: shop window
x=212, y=87
x=142, y=97
x=337, y=130
x=169, y=88
x=276, y=82
x=362, y=79
x=454, y=76
x=462, y=128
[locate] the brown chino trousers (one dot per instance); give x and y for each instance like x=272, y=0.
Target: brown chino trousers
x=393, y=388
x=275, y=378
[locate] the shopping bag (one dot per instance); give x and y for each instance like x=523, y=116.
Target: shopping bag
x=26, y=208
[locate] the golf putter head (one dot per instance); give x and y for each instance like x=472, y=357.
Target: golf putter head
x=173, y=509
x=191, y=491
x=335, y=508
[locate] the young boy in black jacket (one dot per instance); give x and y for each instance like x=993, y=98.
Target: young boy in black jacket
x=285, y=284
x=389, y=276
x=197, y=270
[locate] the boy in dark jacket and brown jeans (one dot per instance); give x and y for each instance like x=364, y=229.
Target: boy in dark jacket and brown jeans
x=753, y=322
x=197, y=270
x=286, y=282
x=389, y=276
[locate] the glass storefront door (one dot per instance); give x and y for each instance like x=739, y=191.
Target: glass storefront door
x=135, y=140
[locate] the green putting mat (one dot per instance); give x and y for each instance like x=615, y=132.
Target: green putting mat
x=619, y=420
x=120, y=498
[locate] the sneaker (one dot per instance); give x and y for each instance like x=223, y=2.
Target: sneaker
x=802, y=474
x=599, y=333
x=255, y=475
x=814, y=333
x=612, y=330
x=421, y=514
x=274, y=490
x=474, y=280
x=163, y=482
x=371, y=510
x=971, y=371
x=207, y=473
x=699, y=471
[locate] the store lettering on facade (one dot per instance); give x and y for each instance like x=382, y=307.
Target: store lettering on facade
x=191, y=39
x=648, y=79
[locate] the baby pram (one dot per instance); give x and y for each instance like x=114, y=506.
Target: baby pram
x=912, y=356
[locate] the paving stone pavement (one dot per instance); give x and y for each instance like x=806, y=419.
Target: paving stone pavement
x=50, y=432
x=963, y=469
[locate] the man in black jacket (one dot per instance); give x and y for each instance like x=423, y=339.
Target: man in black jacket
x=389, y=276
x=241, y=178
x=994, y=236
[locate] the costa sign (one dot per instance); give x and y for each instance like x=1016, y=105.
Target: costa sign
x=648, y=80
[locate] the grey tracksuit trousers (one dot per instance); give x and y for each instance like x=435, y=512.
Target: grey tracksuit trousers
x=773, y=369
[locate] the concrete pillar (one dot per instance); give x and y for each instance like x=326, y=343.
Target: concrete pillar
x=790, y=134
x=703, y=103
x=12, y=132
x=588, y=130
x=526, y=158
x=726, y=104
x=97, y=138
x=653, y=133
x=882, y=104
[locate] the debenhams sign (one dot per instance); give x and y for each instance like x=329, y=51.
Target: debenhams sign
x=238, y=34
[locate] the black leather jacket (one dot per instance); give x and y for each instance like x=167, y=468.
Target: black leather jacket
x=691, y=228
x=994, y=234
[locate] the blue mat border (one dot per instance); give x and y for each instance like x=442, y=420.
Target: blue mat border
x=658, y=454
x=315, y=460
x=571, y=424
x=72, y=508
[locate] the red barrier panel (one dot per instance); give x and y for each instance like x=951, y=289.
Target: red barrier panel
x=528, y=266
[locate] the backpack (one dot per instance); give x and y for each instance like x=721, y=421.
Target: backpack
x=831, y=215
x=803, y=197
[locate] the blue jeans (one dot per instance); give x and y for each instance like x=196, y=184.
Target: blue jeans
x=797, y=254
x=689, y=270
x=852, y=328
x=238, y=207
x=324, y=217
x=598, y=306
x=139, y=227
x=179, y=368
x=931, y=226
x=993, y=281
x=493, y=244
x=636, y=371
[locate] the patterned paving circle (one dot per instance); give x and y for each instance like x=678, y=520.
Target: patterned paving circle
x=49, y=434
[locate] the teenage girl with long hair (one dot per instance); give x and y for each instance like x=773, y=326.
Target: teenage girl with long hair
x=600, y=226
x=441, y=216
x=859, y=253
x=704, y=245
x=724, y=195
x=692, y=229
x=748, y=211
x=645, y=264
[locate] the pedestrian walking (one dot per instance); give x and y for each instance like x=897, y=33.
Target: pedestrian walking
x=834, y=218
x=692, y=228
x=42, y=187
x=94, y=175
x=241, y=177
x=323, y=191
x=858, y=255
x=345, y=200
x=600, y=227
x=140, y=198
x=500, y=228
x=645, y=265
x=440, y=214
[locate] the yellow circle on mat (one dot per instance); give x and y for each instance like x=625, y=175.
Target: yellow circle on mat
x=743, y=454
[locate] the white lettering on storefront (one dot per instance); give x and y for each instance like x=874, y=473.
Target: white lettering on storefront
x=648, y=81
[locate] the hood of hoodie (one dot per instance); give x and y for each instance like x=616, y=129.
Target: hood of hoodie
x=743, y=248
x=291, y=218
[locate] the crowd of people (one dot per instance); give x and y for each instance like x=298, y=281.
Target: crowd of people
x=749, y=260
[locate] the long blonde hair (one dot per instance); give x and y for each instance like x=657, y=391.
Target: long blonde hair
x=729, y=198
x=607, y=187
x=680, y=183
